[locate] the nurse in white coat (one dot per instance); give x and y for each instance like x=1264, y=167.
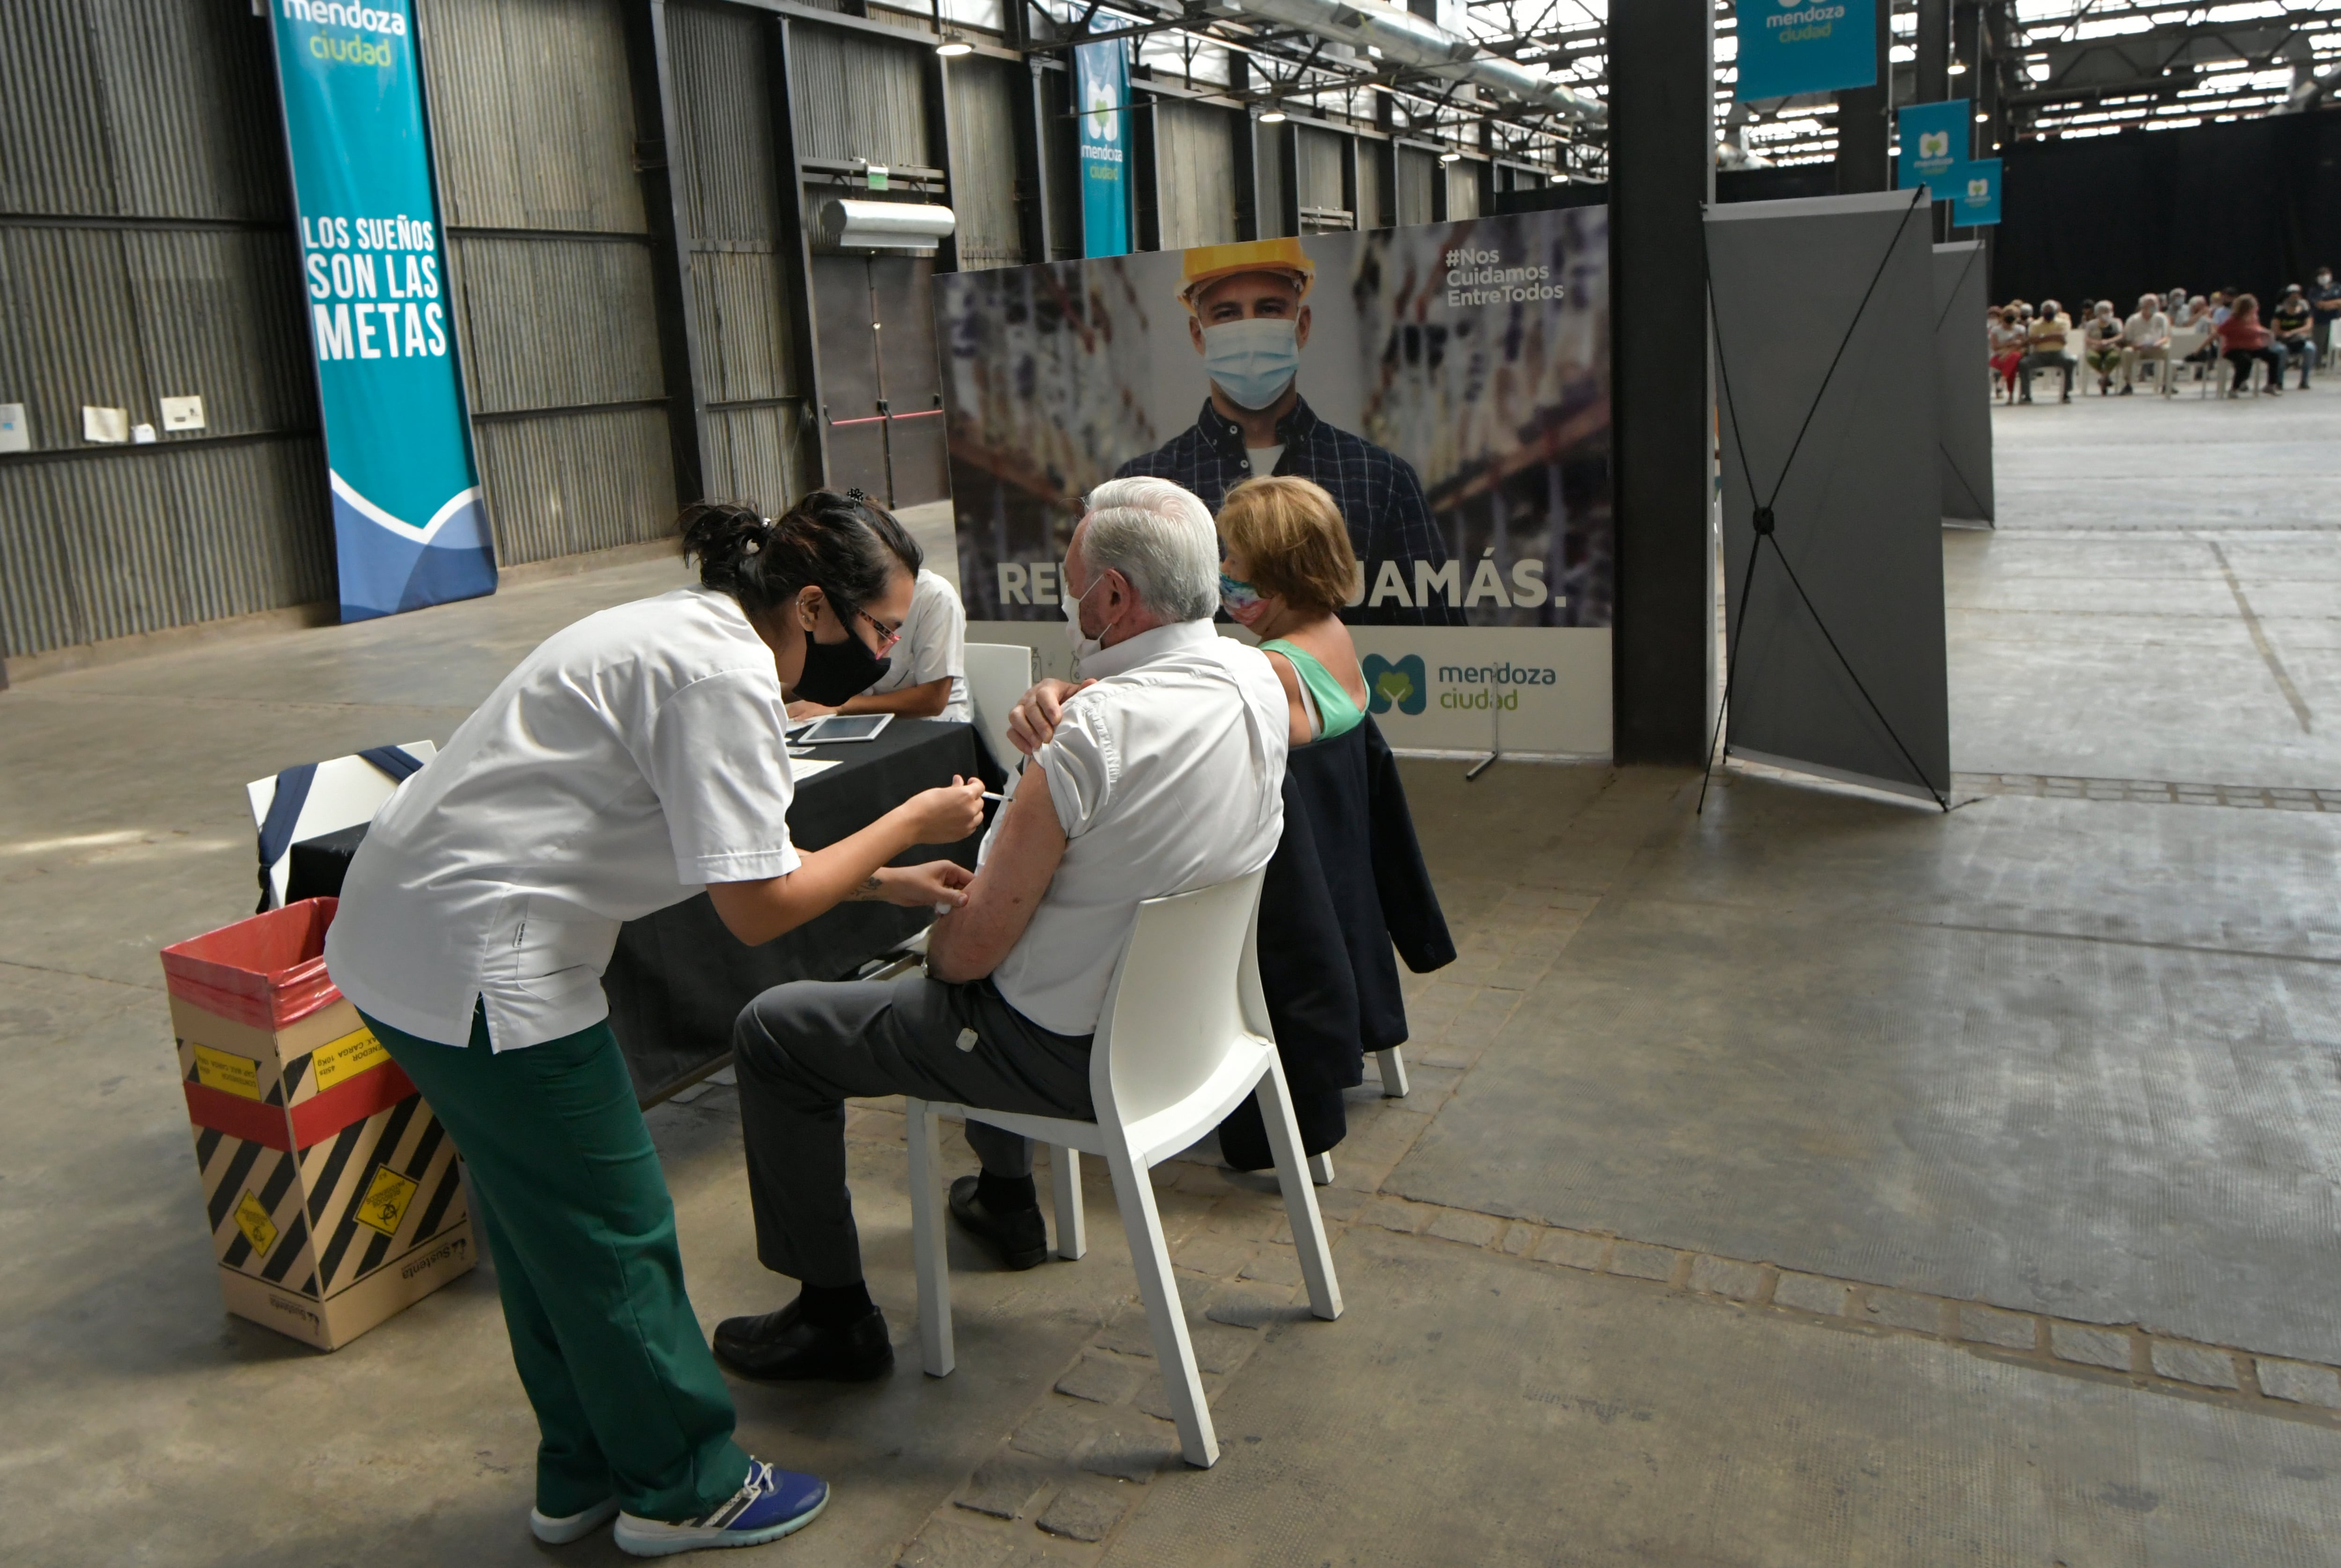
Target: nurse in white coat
x=630, y=762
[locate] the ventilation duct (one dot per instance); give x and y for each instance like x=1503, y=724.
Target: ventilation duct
x=913, y=227
x=1405, y=39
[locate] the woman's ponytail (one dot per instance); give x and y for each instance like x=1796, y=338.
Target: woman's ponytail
x=843, y=543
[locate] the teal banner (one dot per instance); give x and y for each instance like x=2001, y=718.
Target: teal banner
x=1101, y=88
x=409, y=528
x=1789, y=46
x=1934, y=139
x=1976, y=193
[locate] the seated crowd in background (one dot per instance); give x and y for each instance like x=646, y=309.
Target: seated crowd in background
x=2192, y=329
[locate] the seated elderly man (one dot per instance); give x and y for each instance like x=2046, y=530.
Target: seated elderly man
x=1165, y=773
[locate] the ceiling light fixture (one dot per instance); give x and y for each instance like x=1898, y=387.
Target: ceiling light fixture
x=1451, y=158
x=1273, y=117
x=952, y=48
x=1958, y=68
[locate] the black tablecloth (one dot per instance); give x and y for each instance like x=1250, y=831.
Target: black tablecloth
x=678, y=978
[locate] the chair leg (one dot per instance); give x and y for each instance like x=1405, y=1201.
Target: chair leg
x=1174, y=1352
x=1299, y=1197
x=1065, y=1178
x=1393, y=1066
x=1320, y=1169
x=930, y=1247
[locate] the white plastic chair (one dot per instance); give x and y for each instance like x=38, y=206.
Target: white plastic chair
x=346, y=792
x=997, y=674
x=1183, y=1038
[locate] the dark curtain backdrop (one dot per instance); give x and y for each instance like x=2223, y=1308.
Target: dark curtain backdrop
x=2255, y=205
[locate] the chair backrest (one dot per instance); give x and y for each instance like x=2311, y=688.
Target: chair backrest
x=997, y=674
x=1185, y=992
x=345, y=792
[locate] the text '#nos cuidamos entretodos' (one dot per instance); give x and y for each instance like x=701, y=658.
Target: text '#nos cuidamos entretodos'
x=1481, y=277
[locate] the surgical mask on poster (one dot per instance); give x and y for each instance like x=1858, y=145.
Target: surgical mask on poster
x=1252, y=360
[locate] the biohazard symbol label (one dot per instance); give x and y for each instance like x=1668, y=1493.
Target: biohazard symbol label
x=386, y=1201
x=253, y=1222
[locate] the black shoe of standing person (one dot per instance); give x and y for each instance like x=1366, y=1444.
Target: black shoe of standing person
x=786, y=1346
x=1017, y=1236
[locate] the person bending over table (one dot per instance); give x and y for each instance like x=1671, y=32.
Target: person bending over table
x=926, y=678
x=626, y=763
x=1165, y=773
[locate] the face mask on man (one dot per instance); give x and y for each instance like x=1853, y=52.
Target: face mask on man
x=1083, y=647
x=836, y=671
x=1252, y=360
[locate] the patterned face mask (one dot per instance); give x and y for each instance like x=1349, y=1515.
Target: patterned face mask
x=1240, y=600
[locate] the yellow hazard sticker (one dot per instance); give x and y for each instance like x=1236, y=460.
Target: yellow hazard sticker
x=253, y=1222
x=347, y=1057
x=386, y=1201
x=224, y=1070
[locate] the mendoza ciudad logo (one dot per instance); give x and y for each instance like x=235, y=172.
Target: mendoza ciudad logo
x=1402, y=684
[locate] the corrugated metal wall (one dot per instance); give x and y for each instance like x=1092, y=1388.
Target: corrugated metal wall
x=761, y=447
x=1416, y=170
x=1369, y=185
x=1462, y=189
x=147, y=253
x=1319, y=156
x=1271, y=193
x=549, y=266
x=858, y=97
x=1195, y=173
x=983, y=184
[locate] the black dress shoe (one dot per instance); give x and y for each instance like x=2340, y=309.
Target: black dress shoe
x=1019, y=1238
x=781, y=1346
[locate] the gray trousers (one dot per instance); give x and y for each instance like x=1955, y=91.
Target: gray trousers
x=802, y=1049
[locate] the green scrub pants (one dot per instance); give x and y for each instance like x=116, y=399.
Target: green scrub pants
x=575, y=1210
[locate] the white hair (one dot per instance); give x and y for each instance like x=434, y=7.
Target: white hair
x=1158, y=535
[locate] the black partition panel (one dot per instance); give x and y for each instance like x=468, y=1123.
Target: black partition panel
x=1824, y=332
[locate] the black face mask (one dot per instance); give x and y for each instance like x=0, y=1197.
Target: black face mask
x=836, y=671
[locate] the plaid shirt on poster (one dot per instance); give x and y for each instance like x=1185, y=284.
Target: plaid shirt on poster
x=1379, y=496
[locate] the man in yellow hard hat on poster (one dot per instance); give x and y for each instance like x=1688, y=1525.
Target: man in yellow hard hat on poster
x=1248, y=317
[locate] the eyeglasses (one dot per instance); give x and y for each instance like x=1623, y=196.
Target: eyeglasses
x=887, y=635
x=846, y=610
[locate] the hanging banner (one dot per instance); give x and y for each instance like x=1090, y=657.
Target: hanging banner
x=1934, y=146
x=1789, y=46
x=1102, y=89
x=409, y=528
x=1446, y=385
x=1977, y=184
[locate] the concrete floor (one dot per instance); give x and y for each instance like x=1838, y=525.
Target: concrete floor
x=1817, y=1181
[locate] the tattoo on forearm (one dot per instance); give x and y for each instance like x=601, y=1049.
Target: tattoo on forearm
x=870, y=888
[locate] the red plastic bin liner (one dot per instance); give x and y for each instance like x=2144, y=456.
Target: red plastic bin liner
x=267, y=971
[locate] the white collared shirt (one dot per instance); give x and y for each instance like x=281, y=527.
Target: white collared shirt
x=1166, y=776
x=627, y=763
x=933, y=645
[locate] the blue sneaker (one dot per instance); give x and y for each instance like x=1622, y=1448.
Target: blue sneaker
x=568, y=1527
x=770, y=1503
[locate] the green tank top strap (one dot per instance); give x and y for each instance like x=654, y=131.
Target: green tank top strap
x=1337, y=712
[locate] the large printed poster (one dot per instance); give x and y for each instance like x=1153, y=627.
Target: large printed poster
x=409, y=528
x=1449, y=384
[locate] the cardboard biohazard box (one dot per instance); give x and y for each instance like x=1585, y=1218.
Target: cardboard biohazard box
x=332, y=1191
